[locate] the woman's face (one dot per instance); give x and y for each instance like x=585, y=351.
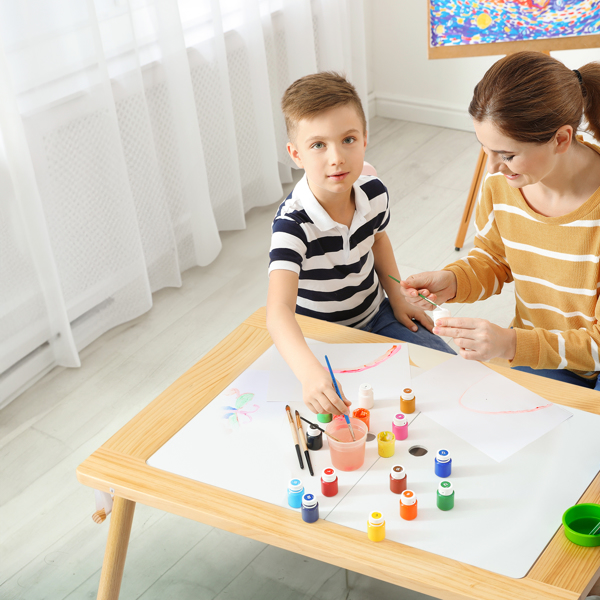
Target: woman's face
x=520, y=163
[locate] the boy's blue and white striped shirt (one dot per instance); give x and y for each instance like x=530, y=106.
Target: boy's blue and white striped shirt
x=337, y=278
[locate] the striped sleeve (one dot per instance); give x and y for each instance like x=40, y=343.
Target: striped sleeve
x=288, y=245
x=484, y=271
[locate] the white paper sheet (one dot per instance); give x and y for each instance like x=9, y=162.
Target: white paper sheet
x=385, y=367
x=491, y=412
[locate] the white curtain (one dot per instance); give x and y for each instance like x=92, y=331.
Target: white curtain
x=131, y=133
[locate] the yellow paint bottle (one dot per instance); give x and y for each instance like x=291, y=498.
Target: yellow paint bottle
x=386, y=444
x=376, y=527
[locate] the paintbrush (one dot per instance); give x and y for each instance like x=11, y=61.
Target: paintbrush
x=294, y=434
x=337, y=389
x=321, y=429
x=303, y=440
x=426, y=299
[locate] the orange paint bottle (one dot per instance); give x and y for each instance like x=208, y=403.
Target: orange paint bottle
x=407, y=401
x=408, y=505
x=364, y=415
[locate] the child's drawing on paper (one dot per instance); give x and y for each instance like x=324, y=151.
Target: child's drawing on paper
x=461, y=22
x=393, y=350
x=240, y=413
x=477, y=398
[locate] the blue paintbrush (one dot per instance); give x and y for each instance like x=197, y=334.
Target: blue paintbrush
x=337, y=389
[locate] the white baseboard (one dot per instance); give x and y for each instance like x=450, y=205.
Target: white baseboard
x=419, y=110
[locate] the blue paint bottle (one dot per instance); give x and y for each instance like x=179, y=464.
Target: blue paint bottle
x=295, y=493
x=310, y=508
x=443, y=463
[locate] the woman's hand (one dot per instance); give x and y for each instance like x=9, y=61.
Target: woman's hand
x=438, y=286
x=478, y=339
x=318, y=393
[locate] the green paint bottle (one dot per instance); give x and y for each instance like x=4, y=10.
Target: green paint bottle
x=324, y=418
x=445, y=495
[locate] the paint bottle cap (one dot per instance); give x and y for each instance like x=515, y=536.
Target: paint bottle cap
x=446, y=488
x=329, y=475
x=408, y=497
x=443, y=455
x=398, y=472
x=407, y=394
x=376, y=518
x=313, y=431
x=400, y=420
x=309, y=501
x=440, y=313
x=295, y=485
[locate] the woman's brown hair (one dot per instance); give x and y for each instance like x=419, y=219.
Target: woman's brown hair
x=529, y=96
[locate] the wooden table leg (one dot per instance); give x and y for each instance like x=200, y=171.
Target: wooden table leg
x=116, y=549
x=471, y=199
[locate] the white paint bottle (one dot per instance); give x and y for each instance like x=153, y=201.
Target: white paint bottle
x=440, y=313
x=365, y=396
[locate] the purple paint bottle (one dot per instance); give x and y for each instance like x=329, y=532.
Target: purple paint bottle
x=400, y=426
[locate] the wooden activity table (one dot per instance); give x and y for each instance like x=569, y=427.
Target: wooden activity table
x=563, y=571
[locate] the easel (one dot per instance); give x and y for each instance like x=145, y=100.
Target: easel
x=544, y=46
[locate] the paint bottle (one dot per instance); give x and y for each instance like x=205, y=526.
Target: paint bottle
x=324, y=418
x=400, y=426
x=295, y=493
x=364, y=415
x=314, y=438
x=440, y=313
x=310, y=509
x=445, y=495
x=408, y=505
x=365, y=396
x=329, y=482
x=398, y=479
x=407, y=401
x=376, y=527
x=443, y=463
x=386, y=444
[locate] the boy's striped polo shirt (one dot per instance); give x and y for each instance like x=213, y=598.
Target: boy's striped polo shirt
x=335, y=266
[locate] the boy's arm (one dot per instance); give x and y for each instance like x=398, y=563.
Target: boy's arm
x=317, y=388
x=385, y=265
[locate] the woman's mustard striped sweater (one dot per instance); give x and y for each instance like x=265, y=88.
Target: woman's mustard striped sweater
x=555, y=264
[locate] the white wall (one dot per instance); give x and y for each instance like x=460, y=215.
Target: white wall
x=406, y=85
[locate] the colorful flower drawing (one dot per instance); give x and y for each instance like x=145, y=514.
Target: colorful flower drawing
x=240, y=413
x=463, y=22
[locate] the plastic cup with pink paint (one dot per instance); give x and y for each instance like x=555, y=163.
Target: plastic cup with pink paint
x=346, y=454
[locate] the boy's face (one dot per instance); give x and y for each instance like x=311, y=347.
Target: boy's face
x=330, y=147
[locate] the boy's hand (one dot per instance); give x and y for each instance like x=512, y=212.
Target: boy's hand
x=479, y=339
x=438, y=286
x=405, y=313
x=319, y=394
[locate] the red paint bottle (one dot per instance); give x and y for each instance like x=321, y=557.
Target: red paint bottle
x=398, y=481
x=329, y=482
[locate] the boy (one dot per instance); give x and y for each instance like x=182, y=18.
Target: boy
x=330, y=256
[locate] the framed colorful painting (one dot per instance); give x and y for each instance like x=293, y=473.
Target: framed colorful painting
x=483, y=27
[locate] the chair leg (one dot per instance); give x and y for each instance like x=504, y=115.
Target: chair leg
x=471, y=199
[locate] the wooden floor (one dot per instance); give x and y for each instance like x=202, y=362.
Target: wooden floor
x=50, y=547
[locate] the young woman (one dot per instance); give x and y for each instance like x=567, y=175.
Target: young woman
x=538, y=222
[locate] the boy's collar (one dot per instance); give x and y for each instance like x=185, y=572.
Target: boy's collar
x=319, y=216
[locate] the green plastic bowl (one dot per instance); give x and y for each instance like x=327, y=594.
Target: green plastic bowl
x=579, y=520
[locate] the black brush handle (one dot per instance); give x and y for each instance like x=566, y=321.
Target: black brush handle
x=312, y=473
x=299, y=456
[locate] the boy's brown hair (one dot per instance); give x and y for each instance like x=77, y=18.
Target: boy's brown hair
x=316, y=93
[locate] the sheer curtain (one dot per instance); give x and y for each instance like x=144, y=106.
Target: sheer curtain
x=131, y=133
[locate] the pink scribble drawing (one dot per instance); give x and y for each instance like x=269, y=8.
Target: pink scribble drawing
x=499, y=412
x=393, y=350
x=235, y=415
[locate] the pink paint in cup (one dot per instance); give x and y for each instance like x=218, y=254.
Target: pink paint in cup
x=347, y=455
